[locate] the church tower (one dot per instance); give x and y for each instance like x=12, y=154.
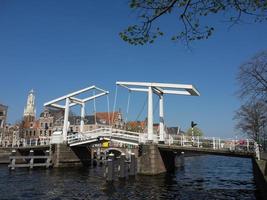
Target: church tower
x=29, y=110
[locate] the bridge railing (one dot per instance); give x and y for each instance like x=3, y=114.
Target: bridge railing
x=31, y=142
x=214, y=143
x=105, y=132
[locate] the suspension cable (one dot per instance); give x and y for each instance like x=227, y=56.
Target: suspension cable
x=142, y=109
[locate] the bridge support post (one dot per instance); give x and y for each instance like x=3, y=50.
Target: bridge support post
x=82, y=117
x=66, y=119
x=150, y=114
x=161, y=120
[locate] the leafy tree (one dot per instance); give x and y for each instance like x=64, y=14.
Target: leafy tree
x=196, y=132
x=191, y=16
x=252, y=119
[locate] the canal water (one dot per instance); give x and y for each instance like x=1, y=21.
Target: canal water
x=203, y=177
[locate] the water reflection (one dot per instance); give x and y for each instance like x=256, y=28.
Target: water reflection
x=204, y=177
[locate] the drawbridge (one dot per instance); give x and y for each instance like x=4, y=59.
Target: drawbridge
x=110, y=133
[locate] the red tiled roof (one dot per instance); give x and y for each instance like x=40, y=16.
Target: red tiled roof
x=108, y=116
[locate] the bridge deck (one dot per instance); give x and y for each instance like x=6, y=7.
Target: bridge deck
x=221, y=152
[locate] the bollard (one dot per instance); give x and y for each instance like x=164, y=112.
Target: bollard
x=110, y=168
x=98, y=156
x=13, y=160
x=132, y=165
x=180, y=160
x=47, y=153
x=92, y=156
x=31, y=158
x=122, y=166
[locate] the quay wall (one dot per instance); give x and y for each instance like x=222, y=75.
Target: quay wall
x=260, y=176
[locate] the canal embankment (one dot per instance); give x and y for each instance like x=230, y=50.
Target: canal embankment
x=260, y=174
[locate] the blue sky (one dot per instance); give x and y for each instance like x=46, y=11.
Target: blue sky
x=55, y=48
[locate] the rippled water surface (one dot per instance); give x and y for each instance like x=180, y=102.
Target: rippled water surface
x=203, y=177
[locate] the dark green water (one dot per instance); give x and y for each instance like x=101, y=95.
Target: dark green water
x=204, y=177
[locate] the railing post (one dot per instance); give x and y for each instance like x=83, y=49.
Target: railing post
x=31, y=158
x=213, y=139
x=257, y=150
x=234, y=144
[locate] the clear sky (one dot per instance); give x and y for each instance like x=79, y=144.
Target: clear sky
x=56, y=47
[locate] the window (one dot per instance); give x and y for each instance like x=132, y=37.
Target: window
x=50, y=132
x=41, y=124
x=41, y=132
x=50, y=124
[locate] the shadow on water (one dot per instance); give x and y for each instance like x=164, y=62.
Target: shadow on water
x=204, y=177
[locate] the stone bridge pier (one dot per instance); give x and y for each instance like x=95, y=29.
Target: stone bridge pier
x=154, y=161
x=66, y=156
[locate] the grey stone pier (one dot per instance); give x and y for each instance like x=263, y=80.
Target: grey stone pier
x=153, y=161
x=65, y=156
